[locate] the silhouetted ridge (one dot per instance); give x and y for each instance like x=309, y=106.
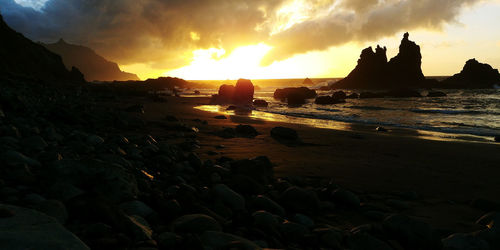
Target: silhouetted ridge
x=374, y=72
x=93, y=66
x=20, y=57
x=474, y=75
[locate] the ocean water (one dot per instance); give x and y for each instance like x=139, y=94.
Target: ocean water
x=462, y=113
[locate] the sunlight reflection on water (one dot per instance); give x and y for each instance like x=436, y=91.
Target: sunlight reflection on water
x=337, y=125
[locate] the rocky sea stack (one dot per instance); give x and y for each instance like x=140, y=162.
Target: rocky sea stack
x=474, y=75
x=373, y=71
x=242, y=93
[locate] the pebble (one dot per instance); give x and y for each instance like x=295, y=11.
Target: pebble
x=195, y=223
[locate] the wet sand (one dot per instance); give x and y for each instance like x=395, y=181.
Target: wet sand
x=446, y=175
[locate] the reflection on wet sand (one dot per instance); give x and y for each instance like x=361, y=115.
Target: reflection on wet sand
x=253, y=116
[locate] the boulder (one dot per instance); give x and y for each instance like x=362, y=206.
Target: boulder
x=345, y=198
x=436, y=94
x=242, y=93
x=219, y=240
x=300, y=200
x=474, y=75
x=261, y=202
x=283, y=133
x=339, y=95
x=29, y=229
x=195, y=223
x=259, y=169
x=136, y=207
x=294, y=93
x=246, y=131
x=364, y=241
x=461, y=241
x=260, y=103
x=228, y=197
x=328, y=100
x=307, y=82
x=410, y=232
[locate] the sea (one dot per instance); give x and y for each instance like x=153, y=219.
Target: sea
x=472, y=115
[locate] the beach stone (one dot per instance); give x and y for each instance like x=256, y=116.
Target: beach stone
x=300, y=200
x=245, y=185
x=283, y=133
x=64, y=191
x=139, y=227
x=410, y=232
x=303, y=220
x=293, y=232
x=260, y=169
x=229, y=197
x=220, y=117
x=265, y=220
x=260, y=103
x=346, y=198
x=226, y=133
x=136, y=207
x=329, y=237
x=397, y=204
x=364, y=241
x=35, y=143
x=381, y=129
x=246, y=131
x=53, y=208
x=461, y=241
x=261, y=202
x=13, y=158
x=195, y=223
x=33, y=198
x=168, y=240
x=29, y=229
x=298, y=93
x=497, y=138
x=436, y=94
x=94, y=140
x=220, y=240
x=491, y=220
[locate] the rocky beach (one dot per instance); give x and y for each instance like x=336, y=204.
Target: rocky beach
x=126, y=165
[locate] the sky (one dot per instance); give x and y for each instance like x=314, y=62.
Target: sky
x=261, y=39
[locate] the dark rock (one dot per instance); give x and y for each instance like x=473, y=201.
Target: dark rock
x=259, y=169
x=228, y=197
x=339, y=95
x=53, y=208
x=136, y=207
x=195, y=223
x=473, y=75
x=307, y=81
x=220, y=117
x=300, y=200
x=29, y=229
x=364, y=95
x=14, y=158
x=293, y=232
x=300, y=93
x=436, y=94
x=353, y=96
x=242, y=93
x=219, y=240
x=374, y=72
x=246, y=131
x=402, y=93
x=381, y=129
x=171, y=118
x=263, y=203
x=461, y=241
x=282, y=133
x=490, y=220
x=265, y=220
x=497, y=138
x=364, y=241
x=135, y=109
x=169, y=240
x=410, y=233
x=260, y=103
x=138, y=227
x=226, y=133
x=346, y=198
x=328, y=100
x=485, y=205
x=232, y=107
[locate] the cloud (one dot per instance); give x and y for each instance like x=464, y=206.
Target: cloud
x=360, y=20
x=163, y=33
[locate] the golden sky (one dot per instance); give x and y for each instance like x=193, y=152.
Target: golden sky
x=258, y=39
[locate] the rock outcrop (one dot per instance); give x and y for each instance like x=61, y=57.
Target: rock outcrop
x=20, y=57
x=242, y=93
x=91, y=64
x=373, y=71
x=473, y=75
x=307, y=81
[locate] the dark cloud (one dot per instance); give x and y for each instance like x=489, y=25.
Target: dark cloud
x=159, y=32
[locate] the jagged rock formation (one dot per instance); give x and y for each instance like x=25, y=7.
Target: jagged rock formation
x=374, y=72
x=92, y=65
x=20, y=57
x=473, y=75
x=307, y=81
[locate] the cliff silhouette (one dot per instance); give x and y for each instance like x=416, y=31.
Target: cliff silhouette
x=91, y=64
x=20, y=57
x=373, y=71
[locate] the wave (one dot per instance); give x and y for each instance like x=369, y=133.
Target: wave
x=475, y=131
x=371, y=108
x=453, y=112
